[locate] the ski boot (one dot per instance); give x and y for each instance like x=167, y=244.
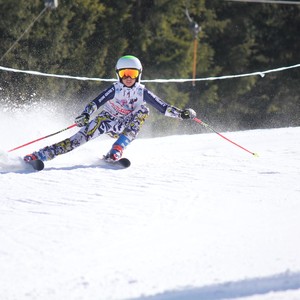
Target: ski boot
x=30, y=157
x=114, y=154
x=34, y=161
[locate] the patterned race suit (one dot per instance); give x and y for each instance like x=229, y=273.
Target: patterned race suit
x=124, y=112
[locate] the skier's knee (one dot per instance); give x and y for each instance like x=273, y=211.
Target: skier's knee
x=134, y=126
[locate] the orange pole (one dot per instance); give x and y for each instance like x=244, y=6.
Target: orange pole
x=44, y=137
x=224, y=137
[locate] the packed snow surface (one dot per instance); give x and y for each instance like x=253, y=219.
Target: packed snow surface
x=194, y=217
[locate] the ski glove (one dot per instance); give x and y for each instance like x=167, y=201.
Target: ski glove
x=188, y=113
x=82, y=120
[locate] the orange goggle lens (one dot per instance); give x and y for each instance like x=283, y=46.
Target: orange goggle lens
x=133, y=73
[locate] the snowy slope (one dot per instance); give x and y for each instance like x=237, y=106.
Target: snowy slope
x=195, y=217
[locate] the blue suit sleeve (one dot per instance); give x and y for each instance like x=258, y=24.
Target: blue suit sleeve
x=104, y=96
x=165, y=108
x=155, y=101
x=101, y=99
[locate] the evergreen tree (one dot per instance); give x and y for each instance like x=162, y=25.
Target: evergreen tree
x=86, y=37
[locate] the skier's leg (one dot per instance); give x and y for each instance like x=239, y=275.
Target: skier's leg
x=62, y=147
x=116, y=151
x=95, y=128
x=128, y=134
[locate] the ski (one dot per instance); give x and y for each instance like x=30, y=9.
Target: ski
x=37, y=164
x=122, y=163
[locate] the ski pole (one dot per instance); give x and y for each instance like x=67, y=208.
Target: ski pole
x=224, y=137
x=44, y=137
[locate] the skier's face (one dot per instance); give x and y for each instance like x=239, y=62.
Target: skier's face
x=128, y=81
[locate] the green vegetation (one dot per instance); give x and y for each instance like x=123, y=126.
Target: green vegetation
x=86, y=37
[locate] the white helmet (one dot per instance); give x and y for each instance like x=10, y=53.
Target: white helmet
x=129, y=62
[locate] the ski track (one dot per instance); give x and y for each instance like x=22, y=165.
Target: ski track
x=194, y=217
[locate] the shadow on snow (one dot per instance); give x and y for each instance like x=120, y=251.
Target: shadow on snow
x=235, y=289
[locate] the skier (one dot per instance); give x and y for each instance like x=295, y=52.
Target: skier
x=124, y=112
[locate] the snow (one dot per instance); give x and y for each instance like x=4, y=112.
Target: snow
x=194, y=217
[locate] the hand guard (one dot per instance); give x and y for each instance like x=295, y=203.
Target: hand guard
x=188, y=113
x=82, y=120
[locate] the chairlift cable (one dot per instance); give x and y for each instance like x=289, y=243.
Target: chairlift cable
x=26, y=30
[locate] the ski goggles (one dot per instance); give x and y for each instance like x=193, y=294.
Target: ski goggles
x=132, y=73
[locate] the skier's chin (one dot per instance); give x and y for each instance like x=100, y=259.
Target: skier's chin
x=129, y=85
x=129, y=82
